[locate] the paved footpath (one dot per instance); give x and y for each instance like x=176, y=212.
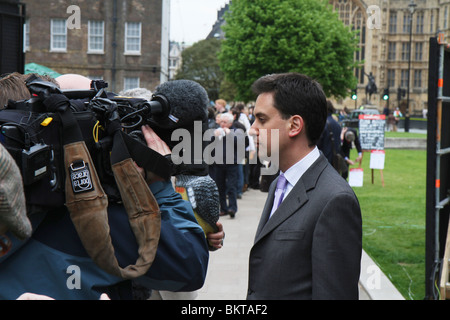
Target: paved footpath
x=228, y=267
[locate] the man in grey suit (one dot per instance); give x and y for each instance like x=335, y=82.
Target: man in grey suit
x=310, y=246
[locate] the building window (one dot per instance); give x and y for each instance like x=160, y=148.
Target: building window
x=173, y=63
x=419, y=51
x=405, y=51
x=344, y=12
x=391, y=50
x=419, y=22
x=445, y=17
x=26, y=35
x=352, y=14
x=393, y=22
x=406, y=22
x=130, y=83
x=133, y=38
x=391, y=78
x=404, y=79
x=58, y=35
x=432, y=23
x=96, y=34
x=417, y=78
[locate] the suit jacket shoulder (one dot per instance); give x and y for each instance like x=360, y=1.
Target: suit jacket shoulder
x=312, y=244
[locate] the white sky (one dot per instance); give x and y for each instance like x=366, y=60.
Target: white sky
x=192, y=20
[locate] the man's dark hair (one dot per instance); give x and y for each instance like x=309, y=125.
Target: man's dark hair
x=297, y=94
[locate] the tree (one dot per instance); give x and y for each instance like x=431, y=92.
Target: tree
x=200, y=63
x=306, y=36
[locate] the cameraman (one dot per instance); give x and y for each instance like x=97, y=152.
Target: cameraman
x=53, y=261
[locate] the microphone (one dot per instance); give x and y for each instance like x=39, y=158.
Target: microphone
x=203, y=194
x=188, y=102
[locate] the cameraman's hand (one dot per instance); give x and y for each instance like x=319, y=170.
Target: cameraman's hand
x=153, y=142
x=216, y=239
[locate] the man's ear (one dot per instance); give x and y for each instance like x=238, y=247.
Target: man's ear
x=296, y=125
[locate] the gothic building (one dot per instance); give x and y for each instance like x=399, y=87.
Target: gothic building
x=387, y=32
x=393, y=40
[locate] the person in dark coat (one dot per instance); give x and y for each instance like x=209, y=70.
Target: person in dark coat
x=332, y=131
x=349, y=137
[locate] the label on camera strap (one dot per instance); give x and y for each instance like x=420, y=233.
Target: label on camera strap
x=80, y=176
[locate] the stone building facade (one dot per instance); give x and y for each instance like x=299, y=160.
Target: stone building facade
x=384, y=47
x=124, y=42
x=384, y=29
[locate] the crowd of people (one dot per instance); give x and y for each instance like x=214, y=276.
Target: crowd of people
x=241, y=171
x=299, y=239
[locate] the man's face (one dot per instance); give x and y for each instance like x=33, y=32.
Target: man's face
x=270, y=128
x=219, y=107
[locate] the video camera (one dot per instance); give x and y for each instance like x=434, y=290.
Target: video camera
x=133, y=112
x=33, y=134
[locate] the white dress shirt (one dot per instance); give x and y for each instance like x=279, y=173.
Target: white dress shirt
x=295, y=172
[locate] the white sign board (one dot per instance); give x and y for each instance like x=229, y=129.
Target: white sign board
x=377, y=159
x=355, y=177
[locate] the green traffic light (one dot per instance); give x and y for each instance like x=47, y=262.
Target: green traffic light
x=386, y=94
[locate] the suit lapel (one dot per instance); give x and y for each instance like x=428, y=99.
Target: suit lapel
x=293, y=202
x=267, y=207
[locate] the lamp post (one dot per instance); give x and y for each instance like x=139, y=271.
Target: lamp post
x=412, y=8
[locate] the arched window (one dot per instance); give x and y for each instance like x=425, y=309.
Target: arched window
x=353, y=14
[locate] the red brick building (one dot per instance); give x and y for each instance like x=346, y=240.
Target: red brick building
x=124, y=42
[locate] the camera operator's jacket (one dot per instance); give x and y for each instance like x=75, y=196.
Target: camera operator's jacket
x=53, y=261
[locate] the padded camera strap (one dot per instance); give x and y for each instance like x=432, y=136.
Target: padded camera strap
x=141, y=206
x=125, y=147
x=87, y=201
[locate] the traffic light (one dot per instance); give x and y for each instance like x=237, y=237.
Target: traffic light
x=386, y=94
x=354, y=95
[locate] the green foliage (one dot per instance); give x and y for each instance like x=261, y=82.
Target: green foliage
x=200, y=63
x=227, y=90
x=306, y=36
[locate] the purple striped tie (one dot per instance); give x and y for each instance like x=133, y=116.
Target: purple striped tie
x=279, y=192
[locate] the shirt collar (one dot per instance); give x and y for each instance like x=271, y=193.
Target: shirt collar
x=295, y=172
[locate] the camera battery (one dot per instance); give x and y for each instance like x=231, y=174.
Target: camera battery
x=35, y=163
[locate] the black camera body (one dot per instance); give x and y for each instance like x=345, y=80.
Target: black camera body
x=33, y=135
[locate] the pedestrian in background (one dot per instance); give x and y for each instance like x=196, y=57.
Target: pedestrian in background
x=230, y=139
x=329, y=142
x=349, y=136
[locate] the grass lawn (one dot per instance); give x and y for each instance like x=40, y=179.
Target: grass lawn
x=394, y=217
